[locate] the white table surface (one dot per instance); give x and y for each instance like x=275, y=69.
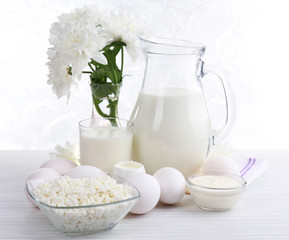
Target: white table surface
x=262, y=213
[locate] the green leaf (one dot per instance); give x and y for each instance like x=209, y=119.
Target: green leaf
x=113, y=72
x=96, y=64
x=110, y=70
x=119, y=44
x=98, y=76
x=102, y=88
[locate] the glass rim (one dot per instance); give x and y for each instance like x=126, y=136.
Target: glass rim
x=87, y=206
x=130, y=124
x=242, y=185
x=106, y=84
x=195, y=47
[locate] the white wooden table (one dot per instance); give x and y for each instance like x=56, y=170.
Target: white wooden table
x=262, y=213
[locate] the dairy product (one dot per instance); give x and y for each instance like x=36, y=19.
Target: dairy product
x=70, y=194
x=104, y=147
x=171, y=129
x=216, y=192
x=212, y=181
x=130, y=165
x=128, y=168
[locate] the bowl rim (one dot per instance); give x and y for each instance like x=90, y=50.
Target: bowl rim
x=242, y=185
x=37, y=201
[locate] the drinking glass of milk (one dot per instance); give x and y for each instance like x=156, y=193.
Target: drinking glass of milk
x=172, y=127
x=102, y=144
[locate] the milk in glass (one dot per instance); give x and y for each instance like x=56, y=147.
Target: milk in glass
x=105, y=147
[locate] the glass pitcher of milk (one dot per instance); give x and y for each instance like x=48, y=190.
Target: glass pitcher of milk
x=172, y=127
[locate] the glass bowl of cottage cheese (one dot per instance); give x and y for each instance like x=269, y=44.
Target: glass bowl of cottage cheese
x=77, y=206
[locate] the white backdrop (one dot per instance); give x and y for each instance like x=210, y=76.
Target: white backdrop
x=247, y=38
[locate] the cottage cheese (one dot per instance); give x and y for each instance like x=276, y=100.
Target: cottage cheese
x=67, y=192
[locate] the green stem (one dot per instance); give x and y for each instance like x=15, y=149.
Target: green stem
x=100, y=112
x=113, y=108
x=91, y=67
x=115, y=76
x=98, y=109
x=113, y=112
x=121, y=68
x=103, y=74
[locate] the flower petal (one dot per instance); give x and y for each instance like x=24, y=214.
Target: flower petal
x=132, y=51
x=100, y=58
x=79, y=64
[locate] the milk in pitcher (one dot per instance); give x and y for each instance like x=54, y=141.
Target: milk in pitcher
x=172, y=129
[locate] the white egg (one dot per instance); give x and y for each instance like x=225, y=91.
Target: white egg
x=221, y=163
x=41, y=173
x=60, y=165
x=172, y=183
x=149, y=189
x=85, y=171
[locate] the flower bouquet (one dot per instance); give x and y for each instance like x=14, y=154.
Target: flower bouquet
x=87, y=41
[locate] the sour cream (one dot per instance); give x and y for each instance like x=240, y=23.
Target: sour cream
x=216, y=181
x=215, y=191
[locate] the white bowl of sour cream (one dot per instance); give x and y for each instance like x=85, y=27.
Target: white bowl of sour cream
x=216, y=191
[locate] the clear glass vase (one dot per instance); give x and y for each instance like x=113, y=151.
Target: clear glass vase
x=105, y=98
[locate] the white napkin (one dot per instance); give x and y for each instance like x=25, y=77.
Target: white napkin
x=252, y=168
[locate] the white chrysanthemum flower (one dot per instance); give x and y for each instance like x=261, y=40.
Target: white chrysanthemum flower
x=60, y=79
x=70, y=151
x=85, y=14
x=80, y=44
x=76, y=43
x=123, y=28
x=76, y=38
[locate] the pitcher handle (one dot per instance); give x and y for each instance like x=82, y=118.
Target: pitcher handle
x=219, y=135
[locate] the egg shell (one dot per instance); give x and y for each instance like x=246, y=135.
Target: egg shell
x=41, y=173
x=85, y=171
x=127, y=168
x=60, y=165
x=149, y=189
x=221, y=163
x=172, y=183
